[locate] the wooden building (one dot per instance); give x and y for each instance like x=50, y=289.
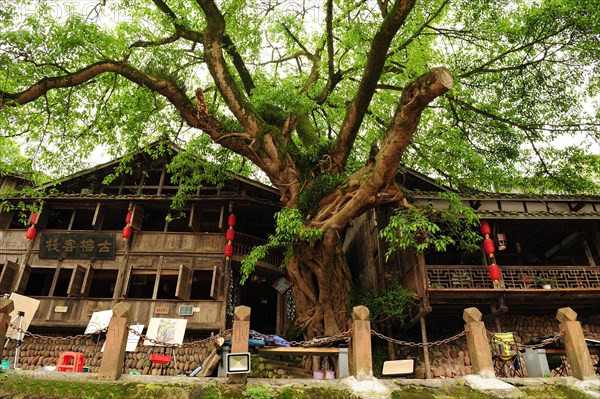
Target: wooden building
x=546, y=237
x=78, y=261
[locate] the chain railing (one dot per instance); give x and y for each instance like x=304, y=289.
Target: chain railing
x=56, y=339
x=319, y=341
x=591, y=335
x=519, y=346
x=418, y=344
x=200, y=342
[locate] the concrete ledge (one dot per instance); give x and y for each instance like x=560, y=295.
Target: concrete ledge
x=493, y=386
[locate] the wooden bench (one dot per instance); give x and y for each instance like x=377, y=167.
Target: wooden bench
x=342, y=367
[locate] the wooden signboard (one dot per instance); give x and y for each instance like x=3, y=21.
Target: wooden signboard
x=161, y=309
x=77, y=246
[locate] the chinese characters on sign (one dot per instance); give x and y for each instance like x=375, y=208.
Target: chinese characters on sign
x=77, y=246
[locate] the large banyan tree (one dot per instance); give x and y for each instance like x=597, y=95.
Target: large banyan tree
x=327, y=99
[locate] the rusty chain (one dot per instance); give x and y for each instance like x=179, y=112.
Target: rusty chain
x=592, y=335
x=343, y=336
x=519, y=346
x=185, y=344
x=418, y=344
x=50, y=338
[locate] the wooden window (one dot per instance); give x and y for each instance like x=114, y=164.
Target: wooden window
x=167, y=284
x=83, y=219
x=58, y=219
x=182, y=290
x=38, y=282
x=63, y=282
x=102, y=283
x=218, y=283
x=141, y=283
x=7, y=277
x=76, y=282
x=207, y=284
x=23, y=279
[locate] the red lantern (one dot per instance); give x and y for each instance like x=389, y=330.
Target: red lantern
x=488, y=246
x=33, y=218
x=128, y=217
x=495, y=274
x=30, y=235
x=126, y=232
x=228, y=250
x=230, y=234
x=485, y=228
x=231, y=220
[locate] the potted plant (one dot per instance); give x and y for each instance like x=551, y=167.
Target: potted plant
x=546, y=282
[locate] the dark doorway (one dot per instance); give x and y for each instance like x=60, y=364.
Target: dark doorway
x=261, y=297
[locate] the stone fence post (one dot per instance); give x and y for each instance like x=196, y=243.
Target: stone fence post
x=6, y=306
x=239, y=339
x=361, y=344
x=111, y=366
x=578, y=353
x=478, y=343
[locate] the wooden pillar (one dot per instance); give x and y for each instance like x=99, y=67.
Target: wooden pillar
x=361, y=344
x=6, y=306
x=575, y=345
x=478, y=344
x=425, y=349
x=239, y=338
x=111, y=366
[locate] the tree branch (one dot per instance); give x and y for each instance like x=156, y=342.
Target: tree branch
x=418, y=32
x=416, y=96
x=375, y=62
x=174, y=94
x=524, y=128
x=375, y=182
x=198, y=37
x=236, y=101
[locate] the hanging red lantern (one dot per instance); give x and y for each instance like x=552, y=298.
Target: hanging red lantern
x=31, y=231
x=33, y=218
x=228, y=250
x=495, y=274
x=229, y=234
x=128, y=217
x=231, y=220
x=488, y=246
x=126, y=232
x=485, y=228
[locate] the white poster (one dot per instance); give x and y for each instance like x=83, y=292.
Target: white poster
x=22, y=304
x=98, y=321
x=168, y=331
x=132, y=339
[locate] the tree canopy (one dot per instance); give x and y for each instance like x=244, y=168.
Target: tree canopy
x=327, y=99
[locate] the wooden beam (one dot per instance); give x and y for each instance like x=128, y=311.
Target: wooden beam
x=417, y=318
x=428, y=374
x=588, y=253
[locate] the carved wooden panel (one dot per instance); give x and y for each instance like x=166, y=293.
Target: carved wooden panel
x=514, y=277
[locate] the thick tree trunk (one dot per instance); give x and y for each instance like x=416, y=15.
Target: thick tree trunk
x=321, y=284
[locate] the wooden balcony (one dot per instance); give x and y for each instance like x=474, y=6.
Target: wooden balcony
x=458, y=286
x=515, y=277
x=243, y=244
x=75, y=313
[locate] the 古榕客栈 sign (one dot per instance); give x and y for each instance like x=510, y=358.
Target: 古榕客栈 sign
x=77, y=246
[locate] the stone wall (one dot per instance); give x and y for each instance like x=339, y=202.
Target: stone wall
x=451, y=360
x=39, y=352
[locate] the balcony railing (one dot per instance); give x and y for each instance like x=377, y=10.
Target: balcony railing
x=515, y=277
x=243, y=244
